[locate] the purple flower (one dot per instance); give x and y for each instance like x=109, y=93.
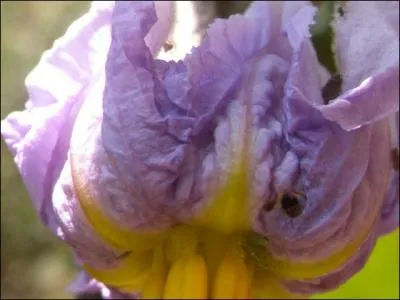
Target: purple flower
x=171, y=178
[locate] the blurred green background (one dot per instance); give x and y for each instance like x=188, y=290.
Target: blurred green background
x=34, y=264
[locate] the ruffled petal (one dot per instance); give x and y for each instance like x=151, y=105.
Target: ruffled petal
x=297, y=18
x=335, y=279
x=367, y=40
x=74, y=227
x=337, y=169
x=376, y=98
x=39, y=136
x=158, y=34
x=390, y=210
x=369, y=66
x=187, y=29
x=157, y=124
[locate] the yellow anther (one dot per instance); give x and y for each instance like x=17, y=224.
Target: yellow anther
x=232, y=277
x=214, y=248
x=187, y=279
x=154, y=285
x=182, y=241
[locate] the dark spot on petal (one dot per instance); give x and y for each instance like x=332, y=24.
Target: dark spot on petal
x=332, y=89
x=291, y=205
x=268, y=206
x=341, y=11
x=341, y=8
x=167, y=46
x=395, y=158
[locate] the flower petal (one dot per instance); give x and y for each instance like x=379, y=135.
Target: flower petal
x=75, y=229
x=367, y=40
x=337, y=169
x=376, y=98
x=162, y=28
x=297, y=18
x=39, y=136
x=156, y=114
x=390, y=210
x=337, y=278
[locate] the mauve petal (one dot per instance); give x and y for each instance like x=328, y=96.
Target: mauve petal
x=188, y=28
x=367, y=40
x=68, y=67
x=162, y=28
x=137, y=14
x=297, y=19
x=371, y=91
x=74, y=228
x=376, y=98
x=154, y=123
x=335, y=279
x=16, y=126
x=39, y=136
x=390, y=209
x=288, y=23
x=96, y=175
x=84, y=284
x=337, y=170
x=369, y=66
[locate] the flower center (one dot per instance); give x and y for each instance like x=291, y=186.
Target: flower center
x=196, y=263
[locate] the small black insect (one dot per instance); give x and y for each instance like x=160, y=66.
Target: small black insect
x=292, y=205
x=167, y=46
x=340, y=11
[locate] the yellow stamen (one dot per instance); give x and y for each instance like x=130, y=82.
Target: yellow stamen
x=232, y=277
x=154, y=285
x=214, y=248
x=182, y=241
x=187, y=279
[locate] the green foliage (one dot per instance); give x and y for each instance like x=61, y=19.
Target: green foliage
x=322, y=35
x=323, y=40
